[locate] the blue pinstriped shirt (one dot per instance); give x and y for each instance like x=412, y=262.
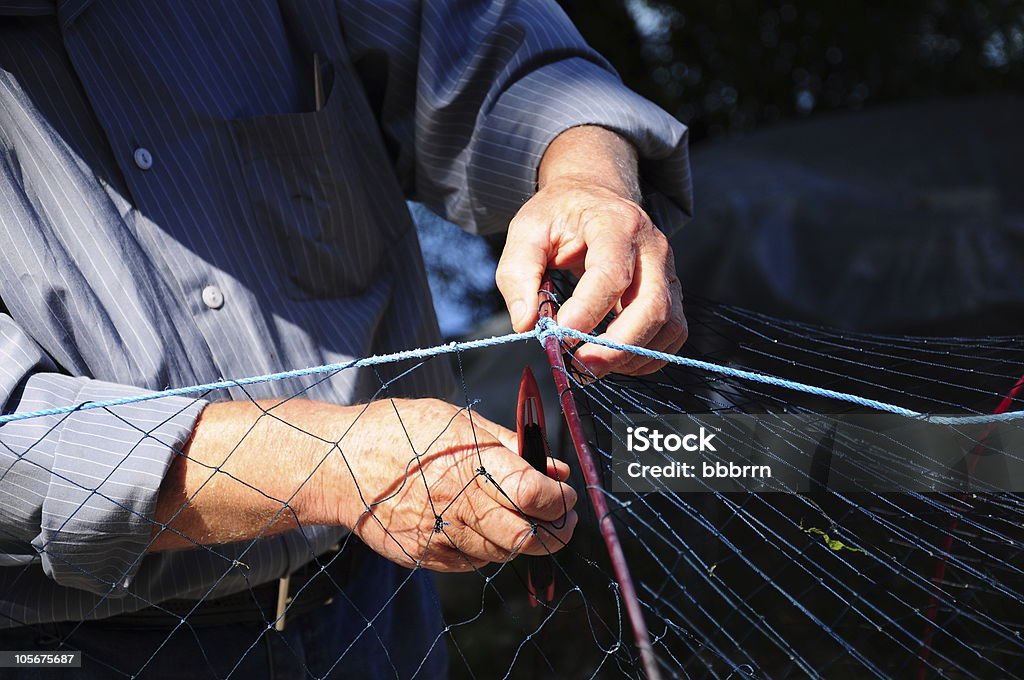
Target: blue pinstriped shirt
x=175, y=208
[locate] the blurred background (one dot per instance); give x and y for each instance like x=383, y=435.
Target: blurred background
x=855, y=164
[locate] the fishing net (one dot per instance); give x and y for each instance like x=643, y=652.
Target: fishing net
x=869, y=552
x=864, y=570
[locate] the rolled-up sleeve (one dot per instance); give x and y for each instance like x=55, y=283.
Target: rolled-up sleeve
x=470, y=95
x=78, y=490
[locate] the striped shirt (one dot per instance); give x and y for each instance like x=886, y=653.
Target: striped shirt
x=176, y=206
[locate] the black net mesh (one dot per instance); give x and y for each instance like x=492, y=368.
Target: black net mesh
x=822, y=582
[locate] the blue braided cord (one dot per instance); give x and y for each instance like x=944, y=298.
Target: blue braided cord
x=374, y=360
x=545, y=328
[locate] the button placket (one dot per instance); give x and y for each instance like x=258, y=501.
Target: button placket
x=143, y=158
x=213, y=297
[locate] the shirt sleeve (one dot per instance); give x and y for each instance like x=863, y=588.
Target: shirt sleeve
x=78, y=490
x=469, y=95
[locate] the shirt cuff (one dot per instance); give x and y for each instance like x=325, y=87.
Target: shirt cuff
x=527, y=117
x=108, y=463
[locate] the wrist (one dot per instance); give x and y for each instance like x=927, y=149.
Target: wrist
x=344, y=461
x=326, y=493
x=590, y=156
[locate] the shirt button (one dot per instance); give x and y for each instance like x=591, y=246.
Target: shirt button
x=212, y=297
x=143, y=158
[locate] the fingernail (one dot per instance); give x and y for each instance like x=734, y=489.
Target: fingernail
x=517, y=312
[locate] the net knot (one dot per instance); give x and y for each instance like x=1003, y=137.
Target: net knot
x=546, y=327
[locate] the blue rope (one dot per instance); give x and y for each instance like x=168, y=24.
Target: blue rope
x=374, y=360
x=546, y=328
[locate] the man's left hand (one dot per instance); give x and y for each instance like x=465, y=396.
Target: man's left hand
x=585, y=218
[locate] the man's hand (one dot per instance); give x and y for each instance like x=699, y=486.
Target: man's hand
x=403, y=476
x=435, y=507
x=585, y=218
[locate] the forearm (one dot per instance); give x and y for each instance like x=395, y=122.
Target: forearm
x=243, y=463
x=592, y=155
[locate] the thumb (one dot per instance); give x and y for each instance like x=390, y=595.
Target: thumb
x=520, y=270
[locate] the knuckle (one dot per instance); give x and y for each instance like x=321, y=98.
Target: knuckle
x=657, y=310
x=616, y=273
x=669, y=252
x=570, y=496
x=646, y=226
x=633, y=371
x=455, y=535
x=661, y=315
x=439, y=406
x=632, y=214
x=683, y=328
x=589, y=217
x=527, y=538
x=660, y=245
x=505, y=277
x=620, y=358
x=522, y=217
x=530, y=494
x=652, y=367
x=675, y=326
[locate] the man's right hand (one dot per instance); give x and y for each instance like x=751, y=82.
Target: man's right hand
x=405, y=476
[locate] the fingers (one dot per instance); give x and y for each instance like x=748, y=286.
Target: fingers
x=651, y=316
x=522, y=511
x=482, y=530
x=497, y=521
x=508, y=438
x=608, y=271
x=520, y=269
x=475, y=544
x=492, y=527
x=498, y=535
x=558, y=469
x=451, y=518
x=669, y=338
x=518, y=487
x=442, y=553
x=625, y=264
x=645, y=309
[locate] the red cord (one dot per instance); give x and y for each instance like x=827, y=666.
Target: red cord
x=947, y=542
x=592, y=477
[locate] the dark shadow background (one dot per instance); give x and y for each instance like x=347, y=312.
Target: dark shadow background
x=855, y=164
x=727, y=66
